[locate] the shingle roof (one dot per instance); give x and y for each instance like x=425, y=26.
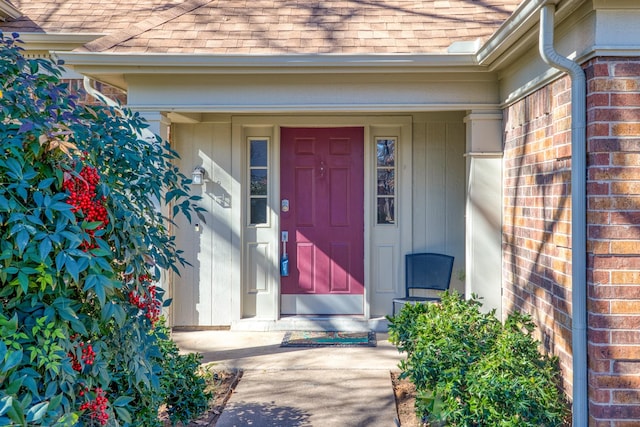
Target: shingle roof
x=267, y=26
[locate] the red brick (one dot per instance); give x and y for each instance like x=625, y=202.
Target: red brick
x=600, y=396
x=625, y=99
x=630, y=247
x=625, y=129
x=623, y=423
x=597, y=129
x=598, y=159
x=615, y=411
x=600, y=336
x=625, y=307
x=625, y=337
x=627, y=367
x=627, y=69
x=617, y=262
x=626, y=396
x=613, y=231
x=625, y=277
x=625, y=217
x=614, y=291
x=598, y=423
x=617, y=382
x=597, y=70
x=598, y=100
x=614, y=322
x=614, y=115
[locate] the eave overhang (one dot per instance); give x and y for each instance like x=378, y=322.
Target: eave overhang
x=112, y=67
x=519, y=32
x=7, y=11
x=56, y=41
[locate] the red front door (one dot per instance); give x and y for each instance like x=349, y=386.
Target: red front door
x=322, y=178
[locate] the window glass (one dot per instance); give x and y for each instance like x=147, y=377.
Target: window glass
x=258, y=180
x=258, y=155
x=386, y=210
x=386, y=182
x=386, y=150
x=258, y=211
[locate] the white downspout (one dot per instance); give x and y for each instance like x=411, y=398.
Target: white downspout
x=578, y=213
x=144, y=134
x=86, y=82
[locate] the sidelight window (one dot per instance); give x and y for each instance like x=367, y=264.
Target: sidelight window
x=386, y=176
x=258, y=180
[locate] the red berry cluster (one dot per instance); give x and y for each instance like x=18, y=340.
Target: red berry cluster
x=83, y=197
x=150, y=305
x=97, y=407
x=87, y=358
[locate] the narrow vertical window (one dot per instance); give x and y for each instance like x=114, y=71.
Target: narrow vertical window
x=258, y=180
x=386, y=176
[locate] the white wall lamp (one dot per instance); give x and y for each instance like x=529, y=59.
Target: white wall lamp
x=197, y=176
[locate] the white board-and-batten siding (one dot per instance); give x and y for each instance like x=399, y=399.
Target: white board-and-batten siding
x=430, y=197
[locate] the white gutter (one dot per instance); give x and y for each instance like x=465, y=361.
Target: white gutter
x=153, y=63
x=578, y=214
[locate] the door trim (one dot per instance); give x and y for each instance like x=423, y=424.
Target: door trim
x=374, y=125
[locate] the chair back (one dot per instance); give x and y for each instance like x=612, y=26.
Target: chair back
x=428, y=271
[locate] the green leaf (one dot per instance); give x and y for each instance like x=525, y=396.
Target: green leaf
x=123, y=414
x=122, y=401
x=15, y=168
x=45, y=248
x=55, y=402
x=5, y=404
x=13, y=360
x=22, y=239
x=67, y=420
x=38, y=411
x=14, y=386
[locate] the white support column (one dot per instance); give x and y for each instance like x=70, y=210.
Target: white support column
x=159, y=125
x=484, y=208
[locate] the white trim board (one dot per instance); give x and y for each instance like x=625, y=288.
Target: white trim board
x=321, y=304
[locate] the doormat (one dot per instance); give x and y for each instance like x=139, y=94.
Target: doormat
x=331, y=338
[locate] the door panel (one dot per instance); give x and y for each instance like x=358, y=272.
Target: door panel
x=322, y=176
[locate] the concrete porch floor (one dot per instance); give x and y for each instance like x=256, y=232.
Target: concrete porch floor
x=295, y=386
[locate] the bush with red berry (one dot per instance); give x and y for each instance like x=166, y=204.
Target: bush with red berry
x=82, y=248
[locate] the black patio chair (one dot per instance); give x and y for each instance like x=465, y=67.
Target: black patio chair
x=429, y=271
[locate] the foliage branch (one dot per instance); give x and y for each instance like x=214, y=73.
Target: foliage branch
x=85, y=202
x=469, y=369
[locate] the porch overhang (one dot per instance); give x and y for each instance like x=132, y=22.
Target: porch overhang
x=112, y=68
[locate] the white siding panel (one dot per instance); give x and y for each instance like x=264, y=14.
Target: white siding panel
x=439, y=188
x=201, y=292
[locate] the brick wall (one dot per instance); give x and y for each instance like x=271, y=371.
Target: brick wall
x=613, y=138
x=537, y=216
x=537, y=238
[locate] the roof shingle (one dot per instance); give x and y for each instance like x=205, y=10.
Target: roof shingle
x=267, y=27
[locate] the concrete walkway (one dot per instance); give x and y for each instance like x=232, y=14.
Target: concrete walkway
x=293, y=386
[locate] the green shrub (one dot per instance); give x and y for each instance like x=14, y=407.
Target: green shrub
x=470, y=370
x=184, y=389
x=81, y=245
